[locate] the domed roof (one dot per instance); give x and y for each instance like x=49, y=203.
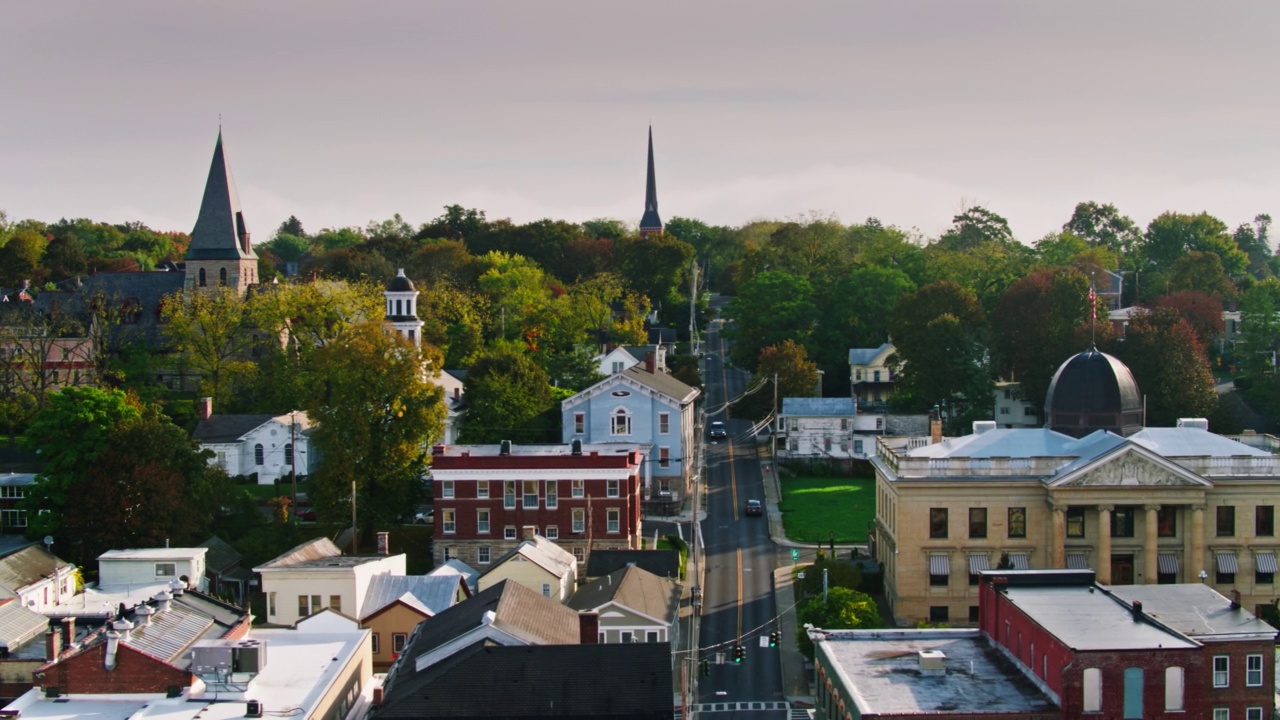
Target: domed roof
x=400, y=283
x=1094, y=391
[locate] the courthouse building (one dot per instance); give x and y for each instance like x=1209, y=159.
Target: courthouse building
x=1095, y=489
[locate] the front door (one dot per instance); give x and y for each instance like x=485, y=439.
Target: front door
x=1121, y=569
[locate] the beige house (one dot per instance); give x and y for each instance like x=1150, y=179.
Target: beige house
x=1138, y=505
x=538, y=564
x=871, y=376
x=395, y=604
x=316, y=575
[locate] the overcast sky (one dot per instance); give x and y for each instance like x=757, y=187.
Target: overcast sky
x=342, y=113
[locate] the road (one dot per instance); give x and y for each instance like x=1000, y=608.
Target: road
x=738, y=601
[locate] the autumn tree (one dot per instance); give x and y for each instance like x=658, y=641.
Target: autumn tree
x=787, y=372
x=939, y=333
x=376, y=417
x=1203, y=311
x=1169, y=364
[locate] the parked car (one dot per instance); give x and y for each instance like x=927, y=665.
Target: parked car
x=754, y=507
x=426, y=518
x=717, y=431
x=307, y=515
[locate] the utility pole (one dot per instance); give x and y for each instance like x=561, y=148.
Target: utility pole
x=693, y=308
x=355, y=534
x=293, y=457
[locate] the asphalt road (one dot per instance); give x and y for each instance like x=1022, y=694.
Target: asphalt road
x=738, y=602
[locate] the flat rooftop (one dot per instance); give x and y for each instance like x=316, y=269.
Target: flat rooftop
x=882, y=671
x=1196, y=610
x=557, y=450
x=1087, y=618
x=154, y=553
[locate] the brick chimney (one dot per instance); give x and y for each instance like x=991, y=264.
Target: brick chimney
x=204, y=408
x=384, y=543
x=935, y=427
x=530, y=531
x=52, y=642
x=68, y=630
x=650, y=363
x=588, y=628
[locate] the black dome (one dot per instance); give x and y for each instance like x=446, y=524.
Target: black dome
x=400, y=283
x=1094, y=391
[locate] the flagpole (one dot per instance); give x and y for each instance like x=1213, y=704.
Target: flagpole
x=1093, y=316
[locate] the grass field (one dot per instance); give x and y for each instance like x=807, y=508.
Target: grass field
x=814, y=507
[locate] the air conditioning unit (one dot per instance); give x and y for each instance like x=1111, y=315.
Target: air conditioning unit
x=253, y=709
x=249, y=656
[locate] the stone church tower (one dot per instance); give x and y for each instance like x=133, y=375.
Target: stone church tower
x=220, y=254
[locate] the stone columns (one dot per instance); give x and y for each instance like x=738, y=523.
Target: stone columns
x=1195, y=563
x=1058, y=555
x=1150, y=547
x=1103, y=566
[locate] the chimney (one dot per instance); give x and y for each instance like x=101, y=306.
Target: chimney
x=204, y=408
x=144, y=613
x=935, y=429
x=576, y=446
x=162, y=599
x=52, y=642
x=113, y=646
x=530, y=531
x=383, y=543
x=68, y=631
x=1137, y=610
x=1235, y=599
x=588, y=628
x=377, y=696
x=650, y=363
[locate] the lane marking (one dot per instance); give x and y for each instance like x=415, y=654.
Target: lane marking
x=739, y=593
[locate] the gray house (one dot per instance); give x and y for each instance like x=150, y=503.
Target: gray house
x=634, y=606
x=655, y=411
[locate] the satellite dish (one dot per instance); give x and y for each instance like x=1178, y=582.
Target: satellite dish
x=48, y=540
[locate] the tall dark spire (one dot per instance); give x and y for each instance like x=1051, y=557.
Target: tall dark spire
x=650, y=223
x=220, y=232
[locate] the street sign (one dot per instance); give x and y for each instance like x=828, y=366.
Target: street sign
x=795, y=554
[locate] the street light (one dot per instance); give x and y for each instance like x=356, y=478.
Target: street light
x=1204, y=576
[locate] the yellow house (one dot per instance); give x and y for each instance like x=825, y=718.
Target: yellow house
x=538, y=564
x=395, y=604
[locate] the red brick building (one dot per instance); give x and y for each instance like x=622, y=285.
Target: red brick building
x=1145, y=651
x=581, y=496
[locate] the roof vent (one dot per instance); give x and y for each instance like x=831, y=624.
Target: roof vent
x=488, y=617
x=144, y=613
x=1137, y=610
x=162, y=599
x=932, y=662
x=576, y=447
x=981, y=426
x=253, y=709
x=1197, y=423
x=177, y=587
x=505, y=448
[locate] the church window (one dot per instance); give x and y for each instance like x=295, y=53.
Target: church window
x=222, y=277
x=202, y=281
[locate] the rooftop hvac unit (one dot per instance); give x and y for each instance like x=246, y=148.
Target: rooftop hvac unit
x=249, y=656
x=253, y=709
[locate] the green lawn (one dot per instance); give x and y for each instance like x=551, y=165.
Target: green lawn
x=814, y=507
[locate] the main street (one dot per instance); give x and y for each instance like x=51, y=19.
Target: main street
x=738, y=602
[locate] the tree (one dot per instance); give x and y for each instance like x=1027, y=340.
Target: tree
x=1172, y=235
x=1199, y=272
x=376, y=417
x=974, y=227
x=212, y=331
x=655, y=266
x=939, y=333
x=20, y=257
x=1252, y=240
x=843, y=609
x=857, y=309
x=787, y=372
x=1259, y=341
x=1201, y=310
x=517, y=291
x=1103, y=225
x=508, y=394
x=1170, y=366
x=292, y=226
x=607, y=228
x=769, y=308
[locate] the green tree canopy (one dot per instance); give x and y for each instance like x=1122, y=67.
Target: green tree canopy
x=787, y=372
x=939, y=332
x=844, y=609
x=770, y=308
x=508, y=395
x=1169, y=364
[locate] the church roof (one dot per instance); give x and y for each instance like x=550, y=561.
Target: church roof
x=1094, y=391
x=650, y=222
x=400, y=283
x=220, y=224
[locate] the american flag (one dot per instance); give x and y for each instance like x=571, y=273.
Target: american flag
x=1093, y=304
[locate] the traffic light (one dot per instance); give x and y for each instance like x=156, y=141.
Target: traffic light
x=773, y=638
x=704, y=667
x=739, y=652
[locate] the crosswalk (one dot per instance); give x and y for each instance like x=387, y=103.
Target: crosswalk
x=793, y=713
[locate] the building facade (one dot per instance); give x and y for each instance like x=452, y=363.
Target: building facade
x=578, y=495
x=816, y=428
x=871, y=376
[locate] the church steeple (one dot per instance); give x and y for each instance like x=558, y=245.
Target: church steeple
x=220, y=253
x=650, y=223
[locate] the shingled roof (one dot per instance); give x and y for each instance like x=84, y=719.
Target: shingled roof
x=663, y=563
x=29, y=565
x=220, y=224
x=634, y=589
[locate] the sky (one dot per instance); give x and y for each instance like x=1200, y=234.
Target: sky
x=910, y=112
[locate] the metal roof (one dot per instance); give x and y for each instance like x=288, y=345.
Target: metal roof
x=1194, y=609
x=1084, y=617
x=26, y=566
x=819, y=407
x=866, y=356
x=18, y=625
x=428, y=594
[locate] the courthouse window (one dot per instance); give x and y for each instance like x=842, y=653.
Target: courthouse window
x=937, y=523
x=1017, y=522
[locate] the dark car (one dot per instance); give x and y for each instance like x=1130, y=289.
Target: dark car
x=307, y=515
x=717, y=431
x=754, y=507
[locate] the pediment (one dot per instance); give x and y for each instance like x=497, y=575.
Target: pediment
x=1131, y=466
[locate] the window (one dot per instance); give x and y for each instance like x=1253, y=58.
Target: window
x=939, y=614
x=579, y=423
x=308, y=604
x=612, y=521
x=202, y=278
x=482, y=555
x=509, y=532
x=664, y=423
x=664, y=457
x=1122, y=522
x=377, y=645
x=651, y=636
x=448, y=521
x=973, y=614
x=621, y=424
x=576, y=489
x=446, y=488
x=166, y=569
x=271, y=604
x=1221, y=714
x=552, y=533
x=937, y=523
x=626, y=637
x=1017, y=522
x=1174, y=689
x=398, y=641
x=1253, y=671
x=482, y=489
x=509, y=494
x=546, y=589
x=1075, y=522
x=288, y=454
x=335, y=603
x=482, y=522
x=1004, y=411
x=1167, y=522
x=1253, y=713
x=857, y=447
x=579, y=521
x=530, y=494
x=580, y=554
x=553, y=494
x=1092, y=690
x=617, y=367
x=611, y=489
x=1221, y=671
x=222, y=277
x=977, y=523
x=12, y=518
x=1264, y=520
x=1226, y=521
x=258, y=455
x=12, y=492
x=875, y=376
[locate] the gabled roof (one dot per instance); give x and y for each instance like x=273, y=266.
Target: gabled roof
x=428, y=594
x=819, y=407
x=18, y=625
x=454, y=566
x=868, y=356
x=29, y=565
x=220, y=224
x=309, y=551
x=635, y=589
x=661, y=383
x=541, y=552
x=663, y=563
x=515, y=609
x=221, y=555
x=233, y=428
x=567, y=681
